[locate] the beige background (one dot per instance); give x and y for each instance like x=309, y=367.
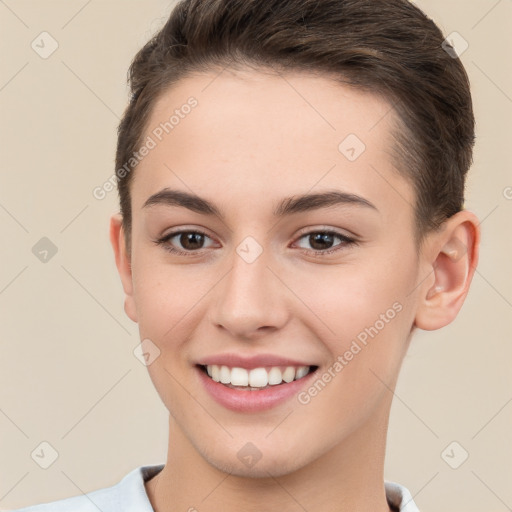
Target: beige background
x=68, y=375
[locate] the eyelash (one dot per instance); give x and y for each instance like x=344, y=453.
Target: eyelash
x=346, y=242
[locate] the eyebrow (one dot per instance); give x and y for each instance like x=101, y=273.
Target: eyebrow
x=287, y=206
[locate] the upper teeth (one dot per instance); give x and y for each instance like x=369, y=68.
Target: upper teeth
x=257, y=377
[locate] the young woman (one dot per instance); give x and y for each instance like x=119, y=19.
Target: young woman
x=291, y=178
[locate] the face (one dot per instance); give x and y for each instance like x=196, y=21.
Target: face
x=247, y=275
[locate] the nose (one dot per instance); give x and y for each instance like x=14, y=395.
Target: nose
x=251, y=300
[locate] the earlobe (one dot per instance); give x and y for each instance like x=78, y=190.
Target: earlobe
x=123, y=263
x=453, y=259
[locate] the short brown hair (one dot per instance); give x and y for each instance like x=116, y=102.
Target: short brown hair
x=387, y=47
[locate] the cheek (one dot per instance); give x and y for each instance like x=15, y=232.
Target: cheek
x=365, y=318
x=164, y=295
x=347, y=299
x=367, y=348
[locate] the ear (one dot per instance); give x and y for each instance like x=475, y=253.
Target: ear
x=452, y=257
x=118, y=241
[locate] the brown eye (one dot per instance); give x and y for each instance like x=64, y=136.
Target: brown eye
x=323, y=242
x=183, y=242
x=191, y=240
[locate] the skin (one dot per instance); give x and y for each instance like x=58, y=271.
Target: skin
x=254, y=139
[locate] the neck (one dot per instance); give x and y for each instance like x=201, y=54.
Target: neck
x=348, y=477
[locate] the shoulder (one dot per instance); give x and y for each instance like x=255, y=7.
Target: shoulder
x=127, y=495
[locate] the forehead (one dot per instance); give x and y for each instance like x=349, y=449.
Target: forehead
x=263, y=135
x=266, y=105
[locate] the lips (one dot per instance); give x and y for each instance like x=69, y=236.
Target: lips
x=253, y=384
x=255, y=372
x=249, y=362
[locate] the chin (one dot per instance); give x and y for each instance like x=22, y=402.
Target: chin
x=268, y=465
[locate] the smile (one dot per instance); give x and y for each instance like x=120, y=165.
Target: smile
x=255, y=379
